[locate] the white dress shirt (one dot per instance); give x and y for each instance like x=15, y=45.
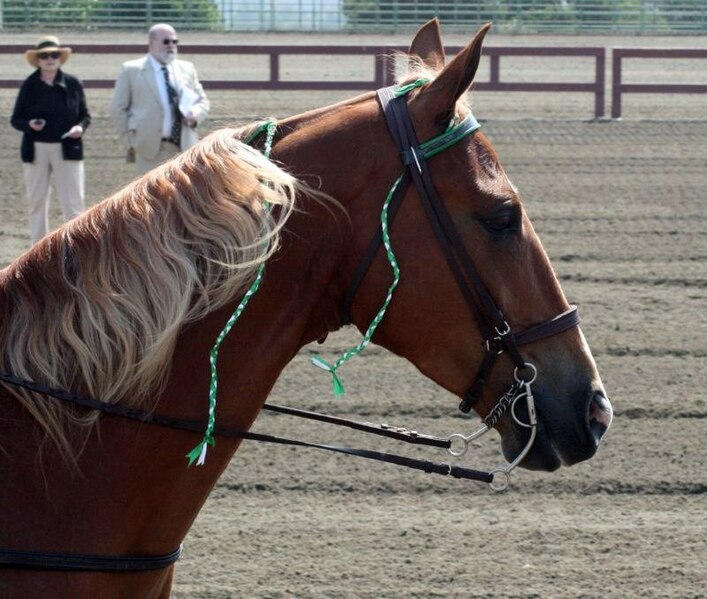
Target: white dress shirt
x=164, y=97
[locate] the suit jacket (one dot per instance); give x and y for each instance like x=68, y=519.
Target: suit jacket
x=138, y=112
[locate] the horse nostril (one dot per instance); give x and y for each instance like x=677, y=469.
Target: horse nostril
x=599, y=415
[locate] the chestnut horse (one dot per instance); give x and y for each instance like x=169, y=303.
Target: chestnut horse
x=124, y=304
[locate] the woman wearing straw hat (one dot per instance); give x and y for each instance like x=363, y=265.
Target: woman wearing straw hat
x=52, y=114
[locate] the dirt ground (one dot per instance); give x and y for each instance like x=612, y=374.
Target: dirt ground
x=620, y=207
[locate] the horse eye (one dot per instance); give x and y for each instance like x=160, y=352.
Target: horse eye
x=504, y=222
x=498, y=223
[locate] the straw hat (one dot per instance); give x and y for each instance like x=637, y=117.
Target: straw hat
x=48, y=43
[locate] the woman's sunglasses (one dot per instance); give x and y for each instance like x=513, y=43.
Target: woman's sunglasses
x=45, y=55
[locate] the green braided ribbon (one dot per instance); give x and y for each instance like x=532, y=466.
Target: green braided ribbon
x=451, y=135
x=332, y=368
x=268, y=127
x=318, y=360
x=198, y=453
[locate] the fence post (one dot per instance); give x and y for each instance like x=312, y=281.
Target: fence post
x=380, y=64
x=616, y=83
x=600, y=78
x=274, y=67
x=495, y=68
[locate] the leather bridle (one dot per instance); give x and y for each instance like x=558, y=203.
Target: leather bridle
x=497, y=334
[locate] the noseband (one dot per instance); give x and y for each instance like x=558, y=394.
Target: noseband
x=497, y=334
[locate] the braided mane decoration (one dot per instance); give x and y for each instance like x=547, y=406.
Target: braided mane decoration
x=97, y=306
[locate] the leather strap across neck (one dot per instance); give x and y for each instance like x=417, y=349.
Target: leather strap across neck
x=33, y=560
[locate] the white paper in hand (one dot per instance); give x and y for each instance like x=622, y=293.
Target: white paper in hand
x=187, y=99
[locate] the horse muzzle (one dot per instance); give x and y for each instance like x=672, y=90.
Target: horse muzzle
x=600, y=414
x=562, y=438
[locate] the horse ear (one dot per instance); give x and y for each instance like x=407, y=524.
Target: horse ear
x=427, y=46
x=441, y=95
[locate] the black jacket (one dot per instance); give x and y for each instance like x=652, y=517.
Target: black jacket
x=65, y=108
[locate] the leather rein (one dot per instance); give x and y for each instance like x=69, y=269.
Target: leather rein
x=496, y=331
x=32, y=560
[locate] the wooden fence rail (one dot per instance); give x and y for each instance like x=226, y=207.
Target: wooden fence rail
x=618, y=87
x=384, y=57
x=383, y=70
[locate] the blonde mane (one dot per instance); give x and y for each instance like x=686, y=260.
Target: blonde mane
x=97, y=306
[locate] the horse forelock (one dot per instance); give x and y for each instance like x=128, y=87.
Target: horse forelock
x=96, y=307
x=417, y=69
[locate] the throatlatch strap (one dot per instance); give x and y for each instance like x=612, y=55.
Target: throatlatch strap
x=371, y=251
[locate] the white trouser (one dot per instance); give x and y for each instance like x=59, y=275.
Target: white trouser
x=68, y=179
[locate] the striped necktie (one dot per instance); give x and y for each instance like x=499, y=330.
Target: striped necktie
x=176, y=131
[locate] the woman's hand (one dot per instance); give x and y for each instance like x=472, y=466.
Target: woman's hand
x=37, y=124
x=75, y=132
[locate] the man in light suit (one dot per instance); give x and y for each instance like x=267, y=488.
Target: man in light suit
x=158, y=102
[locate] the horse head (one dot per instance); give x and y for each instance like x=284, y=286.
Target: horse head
x=445, y=331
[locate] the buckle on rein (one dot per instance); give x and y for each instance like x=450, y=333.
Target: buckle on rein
x=459, y=444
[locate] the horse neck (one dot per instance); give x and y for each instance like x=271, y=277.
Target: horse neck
x=133, y=482
x=317, y=147
x=124, y=463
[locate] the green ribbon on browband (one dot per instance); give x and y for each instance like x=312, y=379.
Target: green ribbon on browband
x=198, y=454
x=402, y=90
x=452, y=135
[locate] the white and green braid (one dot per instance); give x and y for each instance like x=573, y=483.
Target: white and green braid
x=198, y=454
x=318, y=360
x=333, y=367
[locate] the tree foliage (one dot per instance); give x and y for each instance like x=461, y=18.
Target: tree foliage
x=535, y=15
x=94, y=14
x=511, y=15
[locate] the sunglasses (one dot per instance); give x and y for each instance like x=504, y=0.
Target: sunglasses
x=46, y=55
x=167, y=42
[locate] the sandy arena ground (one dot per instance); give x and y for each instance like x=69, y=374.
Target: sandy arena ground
x=620, y=207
